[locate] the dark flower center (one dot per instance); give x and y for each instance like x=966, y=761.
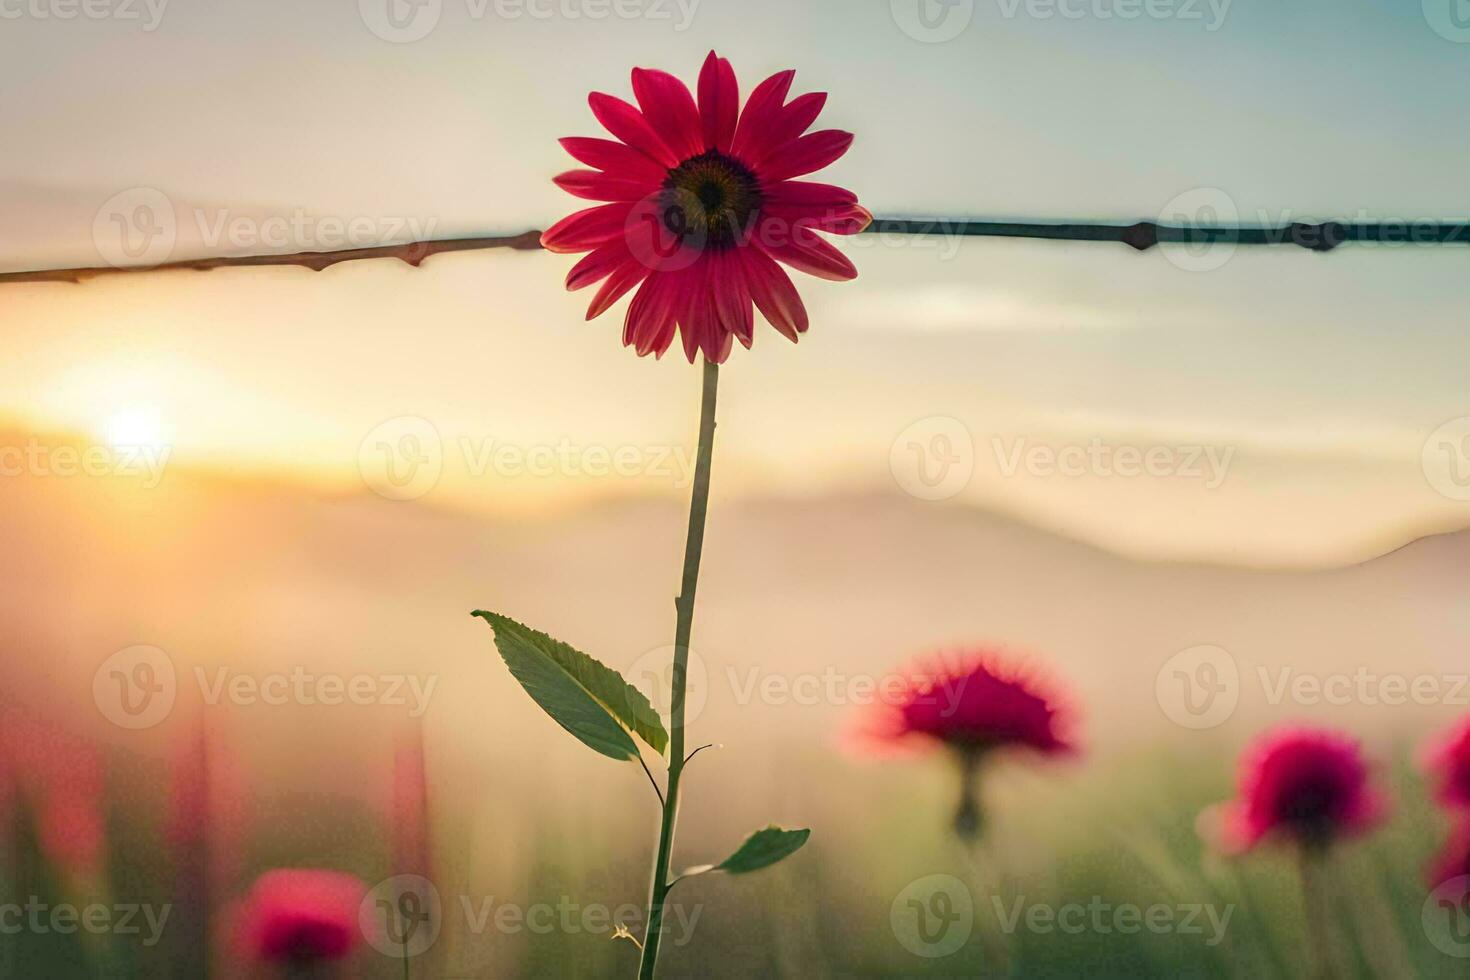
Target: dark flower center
x=709, y=200
x=1312, y=807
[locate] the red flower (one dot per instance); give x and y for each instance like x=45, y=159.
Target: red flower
x=301, y=915
x=703, y=204
x=1308, y=785
x=1447, y=760
x=973, y=700
x=1453, y=862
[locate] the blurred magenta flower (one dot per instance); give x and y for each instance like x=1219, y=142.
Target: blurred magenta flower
x=301, y=915
x=1310, y=786
x=409, y=804
x=973, y=702
x=1453, y=862
x=703, y=205
x=1447, y=761
x=62, y=775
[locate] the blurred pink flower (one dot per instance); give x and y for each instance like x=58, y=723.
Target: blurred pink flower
x=62, y=774
x=408, y=807
x=301, y=915
x=1447, y=760
x=1310, y=786
x=1453, y=861
x=703, y=206
x=973, y=701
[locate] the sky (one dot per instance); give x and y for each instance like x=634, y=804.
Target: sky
x=1297, y=408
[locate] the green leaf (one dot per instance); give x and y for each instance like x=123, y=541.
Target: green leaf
x=763, y=849
x=587, y=698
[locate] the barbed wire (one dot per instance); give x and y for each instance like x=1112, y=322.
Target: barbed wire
x=1140, y=235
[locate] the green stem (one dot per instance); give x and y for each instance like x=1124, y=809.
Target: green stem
x=684, y=606
x=1314, y=901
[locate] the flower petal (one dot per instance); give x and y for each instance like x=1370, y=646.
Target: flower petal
x=809, y=193
x=629, y=125
x=806, y=252
x=760, y=111
x=793, y=120
x=719, y=102
x=594, y=185
x=670, y=109
x=616, y=159
x=598, y=264
x=652, y=312
x=774, y=294
x=622, y=279
x=799, y=219
x=802, y=156
x=584, y=230
x=732, y=297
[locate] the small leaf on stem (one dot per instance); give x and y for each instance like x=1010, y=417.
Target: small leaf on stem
x=587, y=698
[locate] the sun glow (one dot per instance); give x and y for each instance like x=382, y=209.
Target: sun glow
x=136, y=428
